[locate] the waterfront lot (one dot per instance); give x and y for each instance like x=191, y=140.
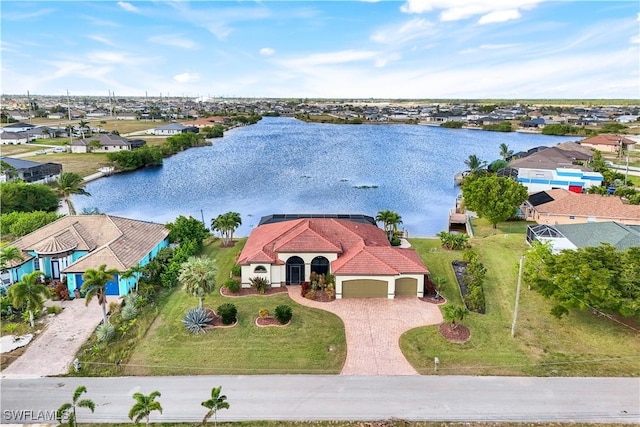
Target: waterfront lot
x=579, y=345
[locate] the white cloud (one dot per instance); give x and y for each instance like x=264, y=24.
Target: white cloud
x=101, y=39
x=128, y=7
x=16, y=16
x=186, y=78
x=330, y=58
x=635, y=40
x=267, y=51
x=454, y=10
x=174, y=40
x=407, y=31
x=106, y=57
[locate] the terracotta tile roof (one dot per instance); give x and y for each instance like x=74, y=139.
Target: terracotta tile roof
x=568, y=203
x=362, y=249
x=607, y=139
x=118, y=242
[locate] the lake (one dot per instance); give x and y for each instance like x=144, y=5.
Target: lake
x=283, y=165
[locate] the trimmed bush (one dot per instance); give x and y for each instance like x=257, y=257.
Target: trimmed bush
x=105, y=332
x=236, y=270
x=195, y=320
x=283, y=314
x=228, y=313
x=233, y=285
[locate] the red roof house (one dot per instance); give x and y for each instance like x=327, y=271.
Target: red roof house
x=357, y=254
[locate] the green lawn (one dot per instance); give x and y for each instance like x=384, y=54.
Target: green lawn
x=314, y=341
x=578, y=345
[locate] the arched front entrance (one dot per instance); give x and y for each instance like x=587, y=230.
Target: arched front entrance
x=320, y=265
x=295, y=270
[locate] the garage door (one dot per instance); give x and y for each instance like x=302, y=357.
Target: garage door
x=406, y=286
x=364, y=289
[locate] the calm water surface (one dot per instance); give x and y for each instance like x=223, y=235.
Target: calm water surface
x=282, y=165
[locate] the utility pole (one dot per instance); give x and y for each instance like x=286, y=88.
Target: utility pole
x=29, y=101
x=515, y=309
x=69, y=113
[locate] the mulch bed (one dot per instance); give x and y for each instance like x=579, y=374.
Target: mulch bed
x=216, y=321
x=321, y=296
x=268, y=321
x=433, y=300
x=460, y=334
x=243, y=292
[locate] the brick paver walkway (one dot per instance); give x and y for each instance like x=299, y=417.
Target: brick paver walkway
x=373, y=327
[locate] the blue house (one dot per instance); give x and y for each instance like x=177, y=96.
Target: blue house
x=73, y=244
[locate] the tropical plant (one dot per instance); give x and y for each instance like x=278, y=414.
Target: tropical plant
x=232, y=284
x=105, y=332
x=226, y=224
x=454, y=313
x=260, y=284
x=70, y=183
x=474, y=164
x=236, y=270
x=505, y=152
x=29, y=293
x=494, y=198
x=453, y=241
x=82, y=126
x=128, y=312
x=95, y=285
x=187, y=229
x=264, y=312
x=9, y=254
x=283, y=314
x=217, y=402
x=144, y=406
x=196, y=320
x=228, y=313
x=390, y=221
x=68, y=410
x=198, y=277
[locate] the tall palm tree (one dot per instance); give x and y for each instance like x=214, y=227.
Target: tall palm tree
x=226, y=224
x=234, y=221
x=505, y=152
x=8, y=254
x=134, y=271
x=29, y=293
x=453, y=313
x=214, y=404
x=198, y=277
x=144, y=406
x=70, y=183
x=475, y=164
x=83, y=126
x=68, y=410
x=390, y=221
x=95, y=285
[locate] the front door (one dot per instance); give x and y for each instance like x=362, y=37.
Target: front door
x=295, y=273
x=55, y=269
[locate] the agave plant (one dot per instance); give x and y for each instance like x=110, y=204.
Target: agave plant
x=196, y=319
x=106, y=332
x=128, y=312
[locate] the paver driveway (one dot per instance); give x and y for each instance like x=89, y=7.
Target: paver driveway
x=373, y=327
x=53, y=351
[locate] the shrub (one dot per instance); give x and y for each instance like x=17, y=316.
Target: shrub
x=260, y=284
x=61, y=291
x=114, y=307
x=228, y=313
x=395, y=241
x=105, y=332
x=263, y=312
x=233, y=285
x=305, y=287
x=195, y=320
x=128, y=312
x=283, y=314
x=236, y=270
x=54, y=309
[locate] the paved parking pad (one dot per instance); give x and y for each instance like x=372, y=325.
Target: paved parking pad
x=373, y=327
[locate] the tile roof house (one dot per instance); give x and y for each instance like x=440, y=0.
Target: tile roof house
x=108, y=143
x=174, y=129
x=73, y=244
x=575, y=236
x=560, y=206
x=609, y=143
x=357, y=253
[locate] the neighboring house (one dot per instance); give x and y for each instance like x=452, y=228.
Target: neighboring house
x=41, y=132
x=575, y=236
x=17, y=127
x=609, y=143
x=56, y=116
x=73, y=244
x=207, y=121
x=559, y=206
x=108, y=142
x=126, y=116
x=285, y=249
x=19, y=115
x=31, y=172
x=174, y=129
x=15, y=138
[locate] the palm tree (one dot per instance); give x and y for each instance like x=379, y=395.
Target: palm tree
x=214, y=404
x=453, y=313
x=226, y=224
x=198, y=277
x=234, y=221
x=95, y=285
x=69, y=409
x=70, y=183
x=134, y=271
x=475, y=164
x=390, y=221
x=29, y=293
x=505, y=152
x=144, y=406
x=8, y=254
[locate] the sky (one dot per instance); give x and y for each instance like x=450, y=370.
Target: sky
x=410, y=49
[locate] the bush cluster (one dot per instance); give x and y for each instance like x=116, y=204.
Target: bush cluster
x=473, y=279
x=228, y=313
x=232, y=284
x=283, y=314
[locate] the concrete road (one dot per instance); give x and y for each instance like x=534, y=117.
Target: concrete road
x=310, y=397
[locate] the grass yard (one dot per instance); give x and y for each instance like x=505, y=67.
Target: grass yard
x=82, y=164
x=12, y=150
x=314, y=341
x=578, y=345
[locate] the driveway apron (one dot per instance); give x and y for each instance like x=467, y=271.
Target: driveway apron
x=373, y=327
x=53, y=351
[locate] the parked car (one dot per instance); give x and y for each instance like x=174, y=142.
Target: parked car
x=41, y=152
x=60, y=150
